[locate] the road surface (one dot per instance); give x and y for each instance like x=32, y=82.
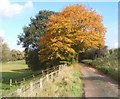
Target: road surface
x=96, y=84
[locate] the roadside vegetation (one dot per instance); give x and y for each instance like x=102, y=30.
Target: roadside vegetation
x=67, y=84
x=107, y=63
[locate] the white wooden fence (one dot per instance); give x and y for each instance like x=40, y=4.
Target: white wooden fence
x=32, y=86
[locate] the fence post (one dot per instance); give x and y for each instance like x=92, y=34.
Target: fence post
x=10, y=82
x=47, y=70
x=54, y=68
x=47, y=77
x=31, y=87
x=33, y=75
x=64, y=66
x=21, y=83
x=23, y=79
x=42, y=73
x=51, y=76
x=19, y=92
x=60, y=67
x=55, y=74
x=41, y=84
x=16, y=82
x=58, y=73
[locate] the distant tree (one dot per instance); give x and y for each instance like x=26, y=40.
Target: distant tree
x=16, y=55
x=1, y=41
x=20, y=55
x=9, y=55
x=30, y=38
x=74, y=30
x=13, y=55
x=5, y=52
x=93, y=53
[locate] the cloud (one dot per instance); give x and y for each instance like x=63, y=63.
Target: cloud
x=10, y=10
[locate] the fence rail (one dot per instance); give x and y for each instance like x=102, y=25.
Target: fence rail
x=46, y=76
x=28, y=78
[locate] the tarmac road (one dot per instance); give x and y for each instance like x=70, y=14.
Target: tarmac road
x=96, y=84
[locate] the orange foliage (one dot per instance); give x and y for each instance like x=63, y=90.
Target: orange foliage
x=75, y=29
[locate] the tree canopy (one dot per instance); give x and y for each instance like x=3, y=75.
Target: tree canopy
x=30, y=38
x=74, y=30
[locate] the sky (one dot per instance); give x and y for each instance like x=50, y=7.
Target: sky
x=15, y=15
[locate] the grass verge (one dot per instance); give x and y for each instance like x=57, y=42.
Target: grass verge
x=68, y=84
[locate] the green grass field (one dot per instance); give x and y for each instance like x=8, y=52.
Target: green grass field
x=16, y=71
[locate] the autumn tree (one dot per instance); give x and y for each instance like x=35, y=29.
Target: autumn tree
x=30, y=38
x=74, y=30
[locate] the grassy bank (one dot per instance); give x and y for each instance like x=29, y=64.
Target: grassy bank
x=68, y=84
x=108, y=64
